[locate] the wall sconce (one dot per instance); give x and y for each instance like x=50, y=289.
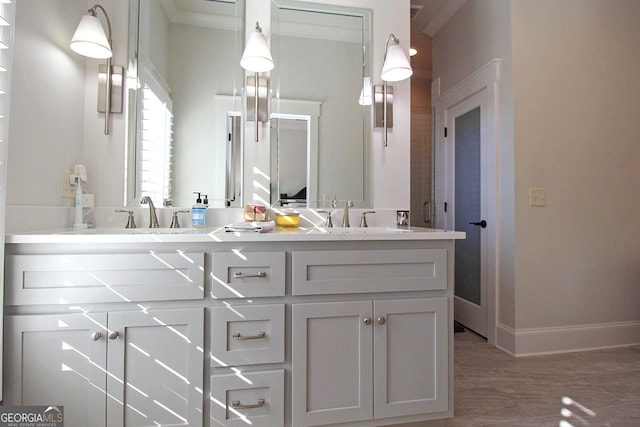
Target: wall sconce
x=90, y=40
x=396, y=67
x=257, y=58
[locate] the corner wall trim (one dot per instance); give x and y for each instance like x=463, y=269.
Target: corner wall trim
x=539, y=341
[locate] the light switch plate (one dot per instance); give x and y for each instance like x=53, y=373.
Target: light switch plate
x=537, y=197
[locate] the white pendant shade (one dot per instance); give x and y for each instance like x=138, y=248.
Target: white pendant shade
x=256, y=56
x=396, y=66
x=90, y=39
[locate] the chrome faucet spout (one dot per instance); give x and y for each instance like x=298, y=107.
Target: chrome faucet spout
x=345, y=215
x=153, y=218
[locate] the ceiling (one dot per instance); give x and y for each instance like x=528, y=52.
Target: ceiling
x=427, y=17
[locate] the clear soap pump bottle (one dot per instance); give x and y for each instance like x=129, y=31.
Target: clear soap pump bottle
x=199, y=213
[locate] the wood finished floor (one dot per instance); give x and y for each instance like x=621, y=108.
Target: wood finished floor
x=591, y=388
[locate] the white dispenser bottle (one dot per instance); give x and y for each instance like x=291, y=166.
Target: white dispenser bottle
x=198, y=213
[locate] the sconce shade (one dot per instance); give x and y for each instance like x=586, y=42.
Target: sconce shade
x=256, y=56
x=90, y=39
x=396, y=66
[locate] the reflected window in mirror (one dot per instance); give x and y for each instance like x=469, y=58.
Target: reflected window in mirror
x=155, y=141
x=194, y=47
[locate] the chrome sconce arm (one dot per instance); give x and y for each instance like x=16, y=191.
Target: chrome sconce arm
x=90, y=40
x=396, y=67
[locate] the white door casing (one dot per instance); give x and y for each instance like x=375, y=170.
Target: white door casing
x=480, y=89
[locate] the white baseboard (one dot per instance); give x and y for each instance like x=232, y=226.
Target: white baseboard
x=538, y=341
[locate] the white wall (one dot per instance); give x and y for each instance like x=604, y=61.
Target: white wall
x=54, y=120
x=577, y=96
x=572, y=279
x=47, y=112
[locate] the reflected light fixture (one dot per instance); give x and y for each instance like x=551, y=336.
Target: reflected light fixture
x=257, y=59
x=396, y=67
x=365, y=93
x=91, y=41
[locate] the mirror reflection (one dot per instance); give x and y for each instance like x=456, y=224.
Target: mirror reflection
x=186, y=131
x=190, y=87
x=322, y=56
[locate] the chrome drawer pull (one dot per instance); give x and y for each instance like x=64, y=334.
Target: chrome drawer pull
x=238, y=405
x=239, y=337
x=239, y=275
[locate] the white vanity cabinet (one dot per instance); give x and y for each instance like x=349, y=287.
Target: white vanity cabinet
x=364, y=360
x=367, y=360
x=133, y=368
x=80, y=334
x=247, y=335
x=224, y=329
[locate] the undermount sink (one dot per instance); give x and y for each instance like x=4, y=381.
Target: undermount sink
x=132, y=231
x=360, y=230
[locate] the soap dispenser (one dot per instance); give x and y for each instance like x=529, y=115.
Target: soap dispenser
x=199, y=213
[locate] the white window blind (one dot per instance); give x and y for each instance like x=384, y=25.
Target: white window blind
x=157, y=139
x=7, y=18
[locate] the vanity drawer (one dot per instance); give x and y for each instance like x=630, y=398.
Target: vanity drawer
x=248, y=274
x=342, y=272
x=251, y=398
x=247, y=334
x=87, y=278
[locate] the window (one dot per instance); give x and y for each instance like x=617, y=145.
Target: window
x=156, y=136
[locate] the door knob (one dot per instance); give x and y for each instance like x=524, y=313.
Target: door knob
x=113, y=335
x=381, y=320
x=95, y=336
x=482, y=223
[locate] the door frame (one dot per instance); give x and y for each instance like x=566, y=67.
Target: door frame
x=484, y=83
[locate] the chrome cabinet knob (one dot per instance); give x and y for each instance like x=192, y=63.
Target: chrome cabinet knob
x=381, y=320
x=95, y=336
x=113, y=335
x=367, y=320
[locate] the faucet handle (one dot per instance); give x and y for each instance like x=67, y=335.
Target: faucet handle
x=131, y=222
x=329, y=223
x=174, y=219
x=363, y=218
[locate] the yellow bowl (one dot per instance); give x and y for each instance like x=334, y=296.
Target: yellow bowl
x=287, y=219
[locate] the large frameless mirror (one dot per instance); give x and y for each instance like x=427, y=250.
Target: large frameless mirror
x=185, y=124
x=320, y=130
x=184, y=133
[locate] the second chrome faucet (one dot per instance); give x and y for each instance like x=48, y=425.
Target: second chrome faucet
x=345, y=215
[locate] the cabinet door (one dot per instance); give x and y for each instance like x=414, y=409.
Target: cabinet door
x=410, y=356
x=155, y=360
x=55, y=360
x=331, y=363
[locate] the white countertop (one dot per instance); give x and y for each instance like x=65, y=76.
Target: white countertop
x=218, y=234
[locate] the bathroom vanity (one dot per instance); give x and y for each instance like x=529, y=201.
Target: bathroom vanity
x=290, y=328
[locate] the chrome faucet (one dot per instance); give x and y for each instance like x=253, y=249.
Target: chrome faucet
x=345, y=215
x=153, y=219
